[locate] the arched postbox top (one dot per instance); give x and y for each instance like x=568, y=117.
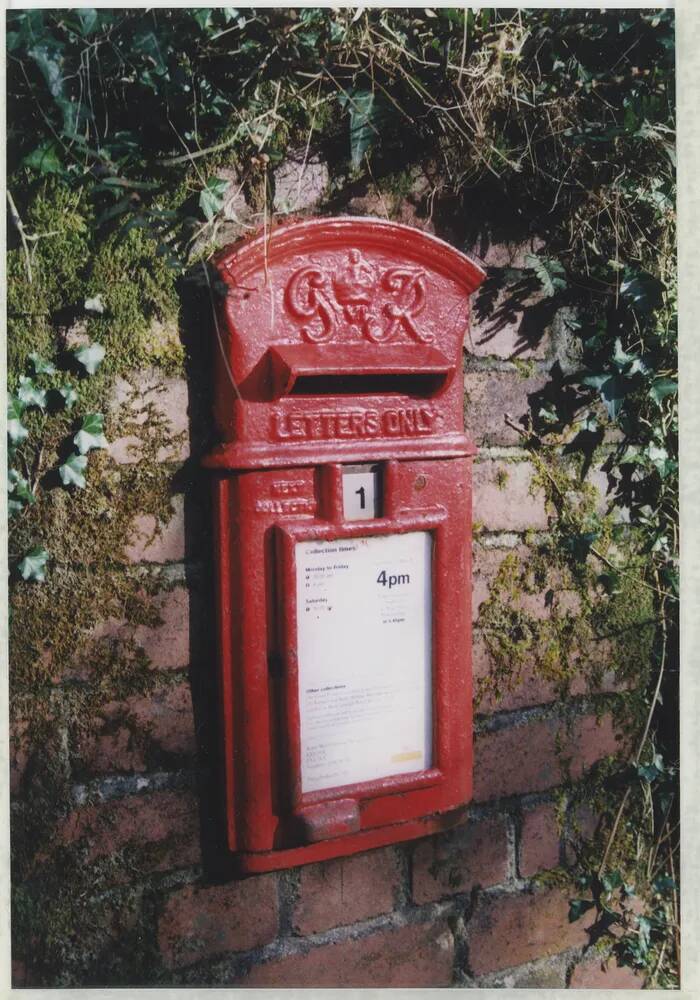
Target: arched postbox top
x=316, y=235
x=340, y=319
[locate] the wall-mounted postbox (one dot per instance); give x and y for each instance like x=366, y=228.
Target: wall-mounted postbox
x=343, y=536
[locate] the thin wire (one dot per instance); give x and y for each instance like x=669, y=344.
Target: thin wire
x=218, y=333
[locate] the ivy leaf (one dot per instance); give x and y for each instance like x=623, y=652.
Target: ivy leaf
x=90, y=357
x=20, y=493
x=659, y=458
x=671, y=579
x=211, y=198
x=90, y=434
x=661, y=388
x=610, y=582
x=95, y=304
x=644, y=926
x=48, y=56
x=15, y=428
x=632, y=455
x=577, y=907
x=68, y=395
x=664, y=883
x=612, y=389
x=44, y=159
x=550, y=273
x=71, y=472
x=612, y=880
x=30, y=394
x=641, y=290
x=88, y=19
x=595, y=381
x=33, y=566
x=579, y=545
x=363, y=114
x=650, y=772
x=203, y=17
x=40, y=366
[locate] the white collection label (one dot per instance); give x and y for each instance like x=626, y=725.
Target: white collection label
x=364, y=625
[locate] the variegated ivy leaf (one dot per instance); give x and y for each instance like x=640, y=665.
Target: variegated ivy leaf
x=33, y=566
x=211, y=197
x=71, y=472
x=15, y=428
x=661, y=388
x=30, y=394
x=90, y=357
x=91, y=433
x=20, y=493
x=40, y=366
x=95, y=304
x=69, y=395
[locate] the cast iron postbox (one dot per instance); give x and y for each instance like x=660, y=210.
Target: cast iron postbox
x=343, y=537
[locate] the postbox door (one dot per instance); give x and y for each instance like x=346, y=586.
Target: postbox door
x=374, y=625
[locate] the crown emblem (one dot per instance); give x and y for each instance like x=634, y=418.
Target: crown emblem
x=380, y=305
x=356, y=283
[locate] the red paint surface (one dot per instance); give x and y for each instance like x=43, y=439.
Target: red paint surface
x=383, y=308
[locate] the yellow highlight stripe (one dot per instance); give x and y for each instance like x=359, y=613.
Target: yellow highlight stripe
x=399, y=758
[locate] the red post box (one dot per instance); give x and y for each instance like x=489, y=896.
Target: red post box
x=343, y=538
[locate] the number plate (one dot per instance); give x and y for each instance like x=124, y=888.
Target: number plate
x=361, y=493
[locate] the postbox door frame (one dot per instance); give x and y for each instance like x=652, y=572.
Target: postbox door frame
x=442, y=765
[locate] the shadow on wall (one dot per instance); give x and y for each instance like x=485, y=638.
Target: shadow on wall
x=510, y=297
x=195, y=483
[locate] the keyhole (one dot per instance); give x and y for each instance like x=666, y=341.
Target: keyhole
x=361, y=494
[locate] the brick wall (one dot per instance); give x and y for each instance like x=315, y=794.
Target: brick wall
x=469, y=907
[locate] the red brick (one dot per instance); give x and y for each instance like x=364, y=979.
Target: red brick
x=517, y=760
x=500, y=333
x=111, y=748
x=599, y=480
x=593, y=974
x=524, y=758
x=582, y=827
x=486, y=564
x=197, y=923
x=413, y=956
x=523, y=690
x=526, y=687
x=168, y=820
x=489, y=396
x=609, y=681
x=345, y=890
x=145, y=394
x=167, y=645
x=476, y=854
x=145, y=545
x=505, y=498
x=135, y=731
x=506, y=931
x=539, y=843
x=591, y=741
